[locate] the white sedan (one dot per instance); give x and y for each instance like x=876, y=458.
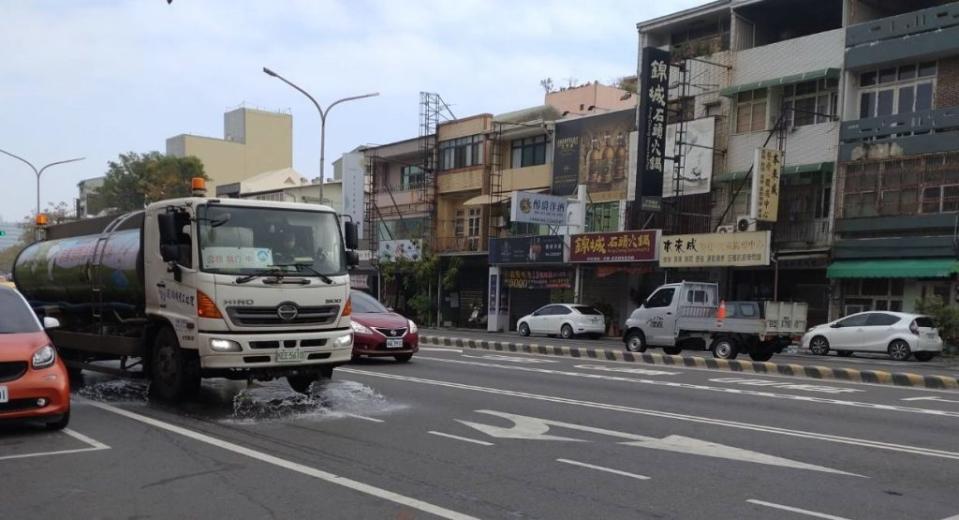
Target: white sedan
x=898, y=334
x=565, y=319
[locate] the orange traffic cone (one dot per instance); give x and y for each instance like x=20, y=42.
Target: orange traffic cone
x=721, y=312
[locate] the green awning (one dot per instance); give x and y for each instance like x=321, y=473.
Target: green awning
x=911, y=268
x=788, y=170
x=777, y=82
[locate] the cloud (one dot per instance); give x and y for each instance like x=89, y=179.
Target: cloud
x=99, y=78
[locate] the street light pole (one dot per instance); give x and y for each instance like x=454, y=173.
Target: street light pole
x=39, y=172
x=323, y=114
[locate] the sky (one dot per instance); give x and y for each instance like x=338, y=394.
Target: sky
x=97, y=78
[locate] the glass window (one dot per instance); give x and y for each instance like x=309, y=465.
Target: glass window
x=856, y=320
x=884, y=103
x=587, y=310
x=915, y=93
x=906, y=99
x=923, y=96
x=474, y=221
x=867, y=104
x=895, y=305
x=879, y=319
x=867, y=79
x=662, y=298
x=365, y=304
x=16, y=317
x=562, y=310
x=925, y=322
x=751, y=111
x=530, y=151
x=907, y=72
x=411, y=177
x=927, y=69
x=461, y=153
x=602, y=217
x=887, y=75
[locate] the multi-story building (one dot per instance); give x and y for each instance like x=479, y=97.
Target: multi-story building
x=897, y=196
x=254, y=141
x=88, y=203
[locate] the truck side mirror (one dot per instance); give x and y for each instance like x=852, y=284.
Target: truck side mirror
x=352, y=237
x=169, y=252
x=352, y=258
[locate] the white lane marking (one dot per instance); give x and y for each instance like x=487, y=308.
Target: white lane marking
x=533, y=428
x=601, y=468
x=457, y=437
x=693, y=386
x=838, y=439
x=637, y=371
x=355, y=485
x=364, y=418
x=499, y=357
x=785, y=386
x=94, y=446
x=614, y=362
x=954, y=517
x=440, y=349
x=795, y=510
x=930, y=398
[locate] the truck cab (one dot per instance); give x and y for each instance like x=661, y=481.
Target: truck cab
x=658, y=316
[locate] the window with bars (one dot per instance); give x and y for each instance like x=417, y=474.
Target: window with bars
x=897, y=90
x=461, y=153
x=602, y=217
x=810, y=102
x=530, y=151
x=751, y=111
x=940, y=199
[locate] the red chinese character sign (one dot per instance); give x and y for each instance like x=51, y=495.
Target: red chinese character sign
x=651, y=158
x=626, y=246
x=767, y=171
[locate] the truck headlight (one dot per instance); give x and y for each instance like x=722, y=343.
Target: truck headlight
x=344, y=341
x=44, y=357
x=225, y=345
x=413, y=329
x=359, y=328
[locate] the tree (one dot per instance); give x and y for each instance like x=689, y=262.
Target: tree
x=56, y=214
x=136, y=180
x=547, y=85
x=414, y=284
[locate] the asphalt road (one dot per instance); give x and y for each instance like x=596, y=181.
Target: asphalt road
x=861, y=361
x=463, y=434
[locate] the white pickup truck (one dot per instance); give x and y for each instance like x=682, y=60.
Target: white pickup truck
x=683, y=315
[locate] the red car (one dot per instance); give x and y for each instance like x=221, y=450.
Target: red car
x=379, y=332
x=33, y=380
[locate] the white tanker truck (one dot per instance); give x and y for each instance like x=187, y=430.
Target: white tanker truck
x=199, y=287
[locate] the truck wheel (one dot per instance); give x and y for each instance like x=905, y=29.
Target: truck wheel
x=175, y=372
x=673, y=351
x=635, y=341
x=301, y=382
x=724, y=348
x=760, y=356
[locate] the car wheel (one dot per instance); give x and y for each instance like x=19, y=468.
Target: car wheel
x=403, y=358
x=673, y=351
x=523, y=329
x=844, y=353
x=566, y=332
x=60, y=422
x=899, y=350
x=301, y=382
x=175, y=372
x=819, y=346
x=761, y=356
x=724, y=348
x=924, y=356
x=635, y=341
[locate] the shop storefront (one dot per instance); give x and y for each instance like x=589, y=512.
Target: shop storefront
x=525, y=274
x=892, y=284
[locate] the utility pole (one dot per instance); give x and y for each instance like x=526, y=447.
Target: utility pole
x=39, y=172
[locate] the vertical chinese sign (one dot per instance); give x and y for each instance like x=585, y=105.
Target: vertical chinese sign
x=651, y=122
x=768, y=167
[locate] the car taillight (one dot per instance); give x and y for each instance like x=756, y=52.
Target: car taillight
x=348, y=308
x=914, y=328
x=206, y=307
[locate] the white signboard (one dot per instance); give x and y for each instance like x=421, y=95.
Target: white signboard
x=390, y=250
x=632, y=165
x=354, y=179
x=237, y=257
x=536, y=208
x=698, y=161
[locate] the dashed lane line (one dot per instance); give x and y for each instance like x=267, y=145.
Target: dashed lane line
x=364, y=418
x=698, y=387
x=606, y=470
x=838, y=439
x=319, y=474
x=795, y=510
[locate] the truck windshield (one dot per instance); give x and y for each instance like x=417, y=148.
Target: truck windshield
x=245, y=240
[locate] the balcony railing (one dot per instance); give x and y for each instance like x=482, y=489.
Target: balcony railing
x=809, y=232
x=919, y=21
x=900, y=125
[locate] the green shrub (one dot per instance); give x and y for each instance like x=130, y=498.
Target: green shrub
x=946, y=317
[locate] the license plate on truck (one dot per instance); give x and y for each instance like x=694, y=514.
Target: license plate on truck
x=394, y=343
x=3, y=394
x=288, y=356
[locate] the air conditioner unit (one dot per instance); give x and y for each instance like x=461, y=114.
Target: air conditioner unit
x=726, y=229
x=745, y=223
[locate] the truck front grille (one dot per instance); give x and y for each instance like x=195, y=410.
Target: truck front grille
x=10, y=370
x=270, y=317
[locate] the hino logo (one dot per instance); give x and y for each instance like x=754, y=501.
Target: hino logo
x=287, y=311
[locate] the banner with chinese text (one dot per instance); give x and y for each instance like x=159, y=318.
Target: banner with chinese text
x=626, y=246
x=542, y=249
x=654, y=92
x=768, y=167
x=536, y=208
x=715, y=249
x=537, y=279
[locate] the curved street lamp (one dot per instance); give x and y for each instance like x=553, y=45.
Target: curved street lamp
x=39, y=172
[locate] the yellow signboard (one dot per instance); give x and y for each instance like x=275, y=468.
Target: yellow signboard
x=715, y=249
x=768, y=167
